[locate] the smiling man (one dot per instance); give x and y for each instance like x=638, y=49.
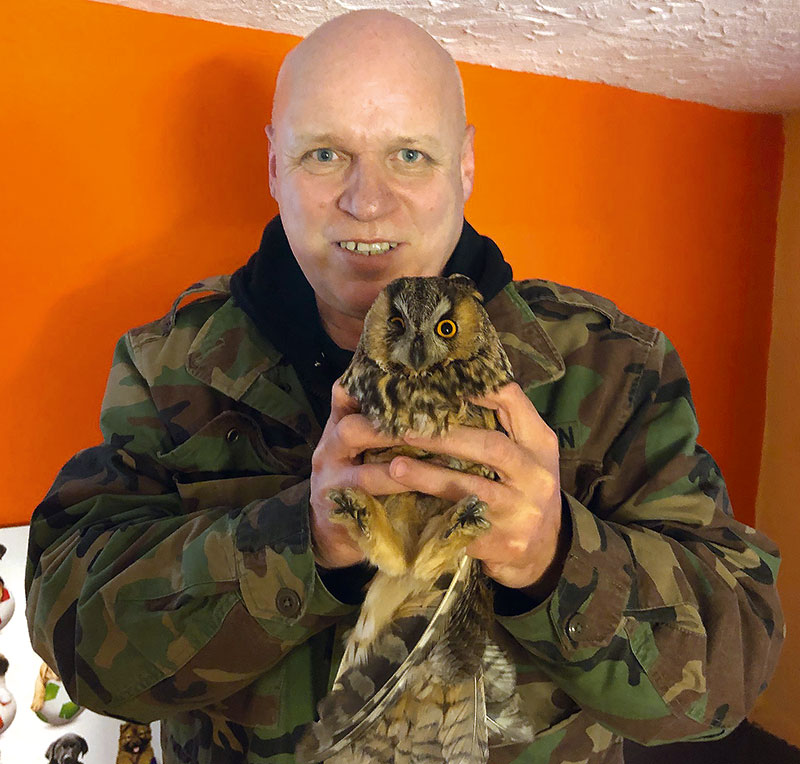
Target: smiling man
x=186, y=569
x=371, y=161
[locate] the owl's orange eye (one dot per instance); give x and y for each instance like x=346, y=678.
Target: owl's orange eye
x=446, y=328
x=397, y=321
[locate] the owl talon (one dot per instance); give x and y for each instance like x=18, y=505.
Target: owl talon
x=349, y=508
x=469, y=518
x=365, y=520
x=448, y=536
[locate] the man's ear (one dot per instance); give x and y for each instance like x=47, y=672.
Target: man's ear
x=270, y=131
x=468, y=161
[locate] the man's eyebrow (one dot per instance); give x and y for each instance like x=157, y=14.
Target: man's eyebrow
x=420, y=140
x=402, y=141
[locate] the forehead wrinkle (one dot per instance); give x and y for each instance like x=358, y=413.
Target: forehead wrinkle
x=299, y=141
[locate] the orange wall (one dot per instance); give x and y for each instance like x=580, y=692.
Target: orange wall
x=134, y=162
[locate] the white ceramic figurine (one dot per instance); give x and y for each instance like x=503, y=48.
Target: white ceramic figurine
x=6, y=604
x=51, y=703
x=8, y=706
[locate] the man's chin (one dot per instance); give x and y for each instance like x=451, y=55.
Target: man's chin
x=348, y=303
x=357, y=304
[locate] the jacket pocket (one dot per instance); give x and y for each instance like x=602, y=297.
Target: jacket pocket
x=230, y=445
x=278, y=701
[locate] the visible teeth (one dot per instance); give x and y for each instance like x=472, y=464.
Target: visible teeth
x=368, y=248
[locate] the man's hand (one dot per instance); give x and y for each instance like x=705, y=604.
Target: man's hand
x=524, y=507
x=337, y=463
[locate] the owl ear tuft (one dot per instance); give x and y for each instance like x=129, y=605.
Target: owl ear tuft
x=467, y=284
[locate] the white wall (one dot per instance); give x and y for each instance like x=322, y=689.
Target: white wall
x=736, y=54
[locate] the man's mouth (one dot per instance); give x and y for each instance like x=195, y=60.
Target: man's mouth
x=368, y=247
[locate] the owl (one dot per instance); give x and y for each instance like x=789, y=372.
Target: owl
x=421, y=680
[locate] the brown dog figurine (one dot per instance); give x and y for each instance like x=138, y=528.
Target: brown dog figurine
x=134, y=744
x=46, y=674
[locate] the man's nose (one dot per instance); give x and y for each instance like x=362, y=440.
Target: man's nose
x=368, y=194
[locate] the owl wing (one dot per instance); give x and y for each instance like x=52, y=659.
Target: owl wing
x=362, y=693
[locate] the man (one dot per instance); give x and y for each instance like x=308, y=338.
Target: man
x=186, y=569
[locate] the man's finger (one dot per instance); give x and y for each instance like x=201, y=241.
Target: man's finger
x=374, y=479
x=445, y=483
x=473, y=444
x=354, y=434
x=342, y=404
x=517, y=415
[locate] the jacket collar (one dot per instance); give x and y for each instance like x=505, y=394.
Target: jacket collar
x=533, y=356
x=230, y=355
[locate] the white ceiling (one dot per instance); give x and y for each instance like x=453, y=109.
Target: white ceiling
x=736, y=54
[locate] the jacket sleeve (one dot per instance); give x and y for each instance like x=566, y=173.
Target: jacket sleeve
x=143, y=602
x=666, y=623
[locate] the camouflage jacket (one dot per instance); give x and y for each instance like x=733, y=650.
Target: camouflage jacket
x=170, y=573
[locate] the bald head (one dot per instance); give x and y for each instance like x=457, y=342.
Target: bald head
x=371, y=44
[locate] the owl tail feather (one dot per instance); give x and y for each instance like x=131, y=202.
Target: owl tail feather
x=506, y=721
x=363, y=692
x=463, y=734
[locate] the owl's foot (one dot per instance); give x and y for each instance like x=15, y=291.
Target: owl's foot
x=446, y=536
x=351, y=510
x=366, y=521
x=468, y=518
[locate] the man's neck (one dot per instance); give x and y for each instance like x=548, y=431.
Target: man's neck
x=344, y=330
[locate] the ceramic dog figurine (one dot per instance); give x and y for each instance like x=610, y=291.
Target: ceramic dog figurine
x=8, y=706
x=135, y=744
x=46, y=674
x=67, y=749
x=51, y=703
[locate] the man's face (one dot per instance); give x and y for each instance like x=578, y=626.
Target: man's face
x=368, y=155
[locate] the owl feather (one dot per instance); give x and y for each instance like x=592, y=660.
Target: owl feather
x=421, y=680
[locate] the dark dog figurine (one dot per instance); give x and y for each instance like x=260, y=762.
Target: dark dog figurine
x=68, y=749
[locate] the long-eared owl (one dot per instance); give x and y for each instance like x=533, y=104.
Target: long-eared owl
x=421, y=680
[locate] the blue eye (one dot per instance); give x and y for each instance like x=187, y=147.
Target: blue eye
x=324, y=155
x=410, y=156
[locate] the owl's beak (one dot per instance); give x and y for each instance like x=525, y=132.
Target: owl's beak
x=417, y=355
